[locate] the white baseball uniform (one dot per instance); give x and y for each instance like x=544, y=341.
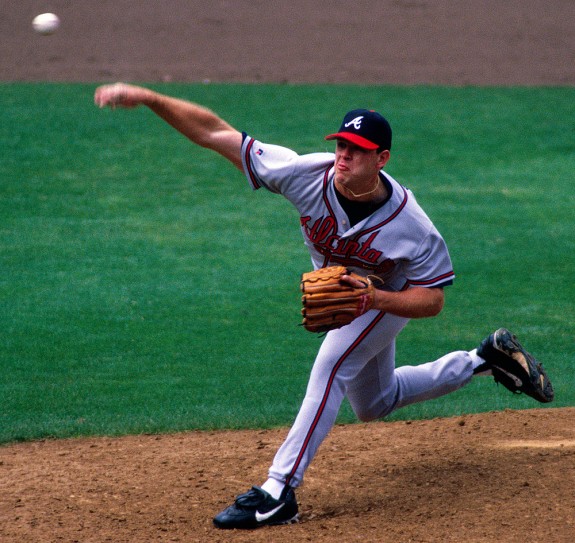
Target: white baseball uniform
x=396, y=242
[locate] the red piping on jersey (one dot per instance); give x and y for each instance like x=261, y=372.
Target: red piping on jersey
x=329, y=208
x=389, y=219
x=321, y=408
x=325, y=185
x=362, y=232
x=248, y=162
x=445, y=277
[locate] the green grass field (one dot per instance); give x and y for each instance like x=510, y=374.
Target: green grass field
x=145, y=288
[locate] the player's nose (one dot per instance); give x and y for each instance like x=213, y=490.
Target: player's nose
x=344, y=150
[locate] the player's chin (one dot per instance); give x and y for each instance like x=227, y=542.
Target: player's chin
x=342, y=176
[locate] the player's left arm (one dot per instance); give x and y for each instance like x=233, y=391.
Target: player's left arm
x=413, y=303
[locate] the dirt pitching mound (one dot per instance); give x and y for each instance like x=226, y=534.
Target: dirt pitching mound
x=496, y=477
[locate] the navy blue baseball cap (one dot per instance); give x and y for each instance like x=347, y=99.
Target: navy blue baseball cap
x=365, y=128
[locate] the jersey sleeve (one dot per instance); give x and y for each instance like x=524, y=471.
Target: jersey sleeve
x=267, y=165
x=432, y=266
x=279, y=169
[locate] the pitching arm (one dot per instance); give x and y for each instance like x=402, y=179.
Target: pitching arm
x=197, y=123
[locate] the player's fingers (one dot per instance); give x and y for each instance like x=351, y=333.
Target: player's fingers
x=352, y=282
x=98, y=97
x=111, y=95
x=103, y=95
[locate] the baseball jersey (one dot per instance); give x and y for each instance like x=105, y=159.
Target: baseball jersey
x=397, y=242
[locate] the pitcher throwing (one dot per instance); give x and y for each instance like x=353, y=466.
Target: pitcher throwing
x=352, y=214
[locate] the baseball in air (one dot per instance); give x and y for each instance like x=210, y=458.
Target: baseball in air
x=46, y=23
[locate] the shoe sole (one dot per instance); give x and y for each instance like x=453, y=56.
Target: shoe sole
x=255, y=525
x=293, y=520
x=505, y=342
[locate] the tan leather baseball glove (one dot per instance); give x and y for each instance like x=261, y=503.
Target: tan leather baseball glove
x=329, y=303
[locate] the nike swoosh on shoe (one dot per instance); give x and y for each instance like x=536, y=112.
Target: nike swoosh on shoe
x=262, y=517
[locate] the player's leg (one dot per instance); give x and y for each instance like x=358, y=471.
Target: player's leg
x=379, y=388
x=342, y=355
x=373, y=393
x=500, y=354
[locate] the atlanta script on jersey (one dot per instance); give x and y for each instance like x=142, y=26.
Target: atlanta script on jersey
x=398, y=242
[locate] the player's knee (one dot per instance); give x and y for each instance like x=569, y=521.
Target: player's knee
x=375, y=411
x=366, y=416
x=369, y=406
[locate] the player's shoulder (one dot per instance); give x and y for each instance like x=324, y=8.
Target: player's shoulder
x=405, y=200
x=262, y=148
x=268, y=153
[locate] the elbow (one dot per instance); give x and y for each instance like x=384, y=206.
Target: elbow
x=436, y=309
x=437, y=306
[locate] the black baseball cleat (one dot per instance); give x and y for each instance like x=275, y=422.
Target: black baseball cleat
x=514, y=367
x=257, y=508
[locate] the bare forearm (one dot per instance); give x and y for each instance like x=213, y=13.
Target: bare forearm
x=413, y=303
x=194, y=121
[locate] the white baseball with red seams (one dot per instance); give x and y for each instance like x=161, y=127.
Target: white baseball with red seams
x=398, y=243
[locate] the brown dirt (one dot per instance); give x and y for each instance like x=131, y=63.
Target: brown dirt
x=501, y=477
x=461, y=42
x=495, y=477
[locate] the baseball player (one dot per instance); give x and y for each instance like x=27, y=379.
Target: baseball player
x=352, y=213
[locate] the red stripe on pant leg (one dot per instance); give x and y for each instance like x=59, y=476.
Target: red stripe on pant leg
x=326, y=395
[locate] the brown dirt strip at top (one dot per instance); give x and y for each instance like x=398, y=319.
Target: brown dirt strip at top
x=449, y=42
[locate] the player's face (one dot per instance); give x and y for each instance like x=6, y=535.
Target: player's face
x=354, y=165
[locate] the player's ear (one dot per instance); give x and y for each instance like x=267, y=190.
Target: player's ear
x=383, y=157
